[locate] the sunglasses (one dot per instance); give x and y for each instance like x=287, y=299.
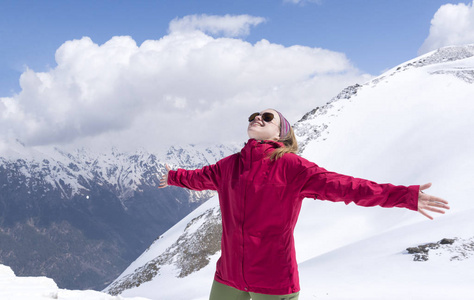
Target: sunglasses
x=266, y=116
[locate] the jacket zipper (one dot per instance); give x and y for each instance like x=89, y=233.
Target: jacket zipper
x=243, y=223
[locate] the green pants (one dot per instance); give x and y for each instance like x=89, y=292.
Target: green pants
x=221, y=291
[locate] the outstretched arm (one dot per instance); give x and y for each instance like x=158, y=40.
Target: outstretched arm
x=206, y=178
x=325, y=185
x=164, y=178
x=430, y=203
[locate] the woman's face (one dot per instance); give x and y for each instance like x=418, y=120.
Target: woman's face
x=261, y=130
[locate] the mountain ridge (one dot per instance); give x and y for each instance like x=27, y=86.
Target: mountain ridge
x=93, y=212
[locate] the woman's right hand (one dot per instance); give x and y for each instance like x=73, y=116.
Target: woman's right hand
x=164, y=178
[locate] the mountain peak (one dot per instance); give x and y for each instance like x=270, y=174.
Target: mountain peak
x=448, y=60
x=439, y=56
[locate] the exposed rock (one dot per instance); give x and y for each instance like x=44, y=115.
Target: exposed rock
x=456, y=248
x=190, y=253
x=306, y=130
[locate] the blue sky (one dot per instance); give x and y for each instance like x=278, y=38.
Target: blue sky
x=102, y=71
x=374, y=34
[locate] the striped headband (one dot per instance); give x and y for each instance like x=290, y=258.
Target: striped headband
x=284, y=126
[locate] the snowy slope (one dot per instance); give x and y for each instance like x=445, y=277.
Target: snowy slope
x=365, y=269
x=42, y=288
x=184, y=241
x=380, y=267
x=411, y=125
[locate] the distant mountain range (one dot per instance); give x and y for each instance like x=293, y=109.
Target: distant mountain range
x=81, y=218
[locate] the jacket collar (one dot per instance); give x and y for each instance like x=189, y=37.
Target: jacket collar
x=258, y=149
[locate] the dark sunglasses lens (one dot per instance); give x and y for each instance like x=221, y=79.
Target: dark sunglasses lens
x=252, y=116
x=267, y=117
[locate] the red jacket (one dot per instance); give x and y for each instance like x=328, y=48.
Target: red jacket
x=260, y=201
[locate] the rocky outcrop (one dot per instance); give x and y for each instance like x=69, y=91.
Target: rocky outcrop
x=455, y=249
x=190, y=253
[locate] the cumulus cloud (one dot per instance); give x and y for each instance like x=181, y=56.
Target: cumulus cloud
x=187, y=87
x=452, y=24
x=228, y=25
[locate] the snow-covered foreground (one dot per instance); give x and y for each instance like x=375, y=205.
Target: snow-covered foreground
x=381, y=268
x=42, y=288
x=378, y=267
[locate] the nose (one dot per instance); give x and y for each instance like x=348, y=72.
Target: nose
x=259, y=117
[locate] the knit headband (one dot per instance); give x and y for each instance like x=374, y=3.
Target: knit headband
x=284, y=126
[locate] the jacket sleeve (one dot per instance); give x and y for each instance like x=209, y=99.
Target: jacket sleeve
x=322, y=184
x=206, y=178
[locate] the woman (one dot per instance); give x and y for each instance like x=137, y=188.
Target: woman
x=260, y=192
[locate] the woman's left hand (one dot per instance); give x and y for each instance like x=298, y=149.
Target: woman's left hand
x=430, y=203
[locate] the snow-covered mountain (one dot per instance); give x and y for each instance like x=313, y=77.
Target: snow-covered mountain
x=82, y=217
x=411, y=125
x=71, y=173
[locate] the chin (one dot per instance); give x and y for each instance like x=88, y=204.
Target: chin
x=258, y=135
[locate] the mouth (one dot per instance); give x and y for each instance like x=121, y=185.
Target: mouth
x=256, y=123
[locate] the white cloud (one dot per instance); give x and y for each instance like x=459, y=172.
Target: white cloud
x=186, y=87
x=228, y=25
x=452, y=24
x=303, y=2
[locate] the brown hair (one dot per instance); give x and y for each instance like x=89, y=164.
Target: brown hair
x=291, y=146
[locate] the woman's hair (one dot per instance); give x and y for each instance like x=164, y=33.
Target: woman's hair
x=291, y=146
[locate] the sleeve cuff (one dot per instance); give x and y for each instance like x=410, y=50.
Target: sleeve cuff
x=414, y=190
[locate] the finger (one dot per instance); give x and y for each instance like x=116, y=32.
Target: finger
x=438, y=200
x=163, y=181
x=433, y=200
x=438, y=204
x=436, y=210
x=427, y=197
x=425, y=214
x=425, y=186
x=433, y=206
x=167, y=167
